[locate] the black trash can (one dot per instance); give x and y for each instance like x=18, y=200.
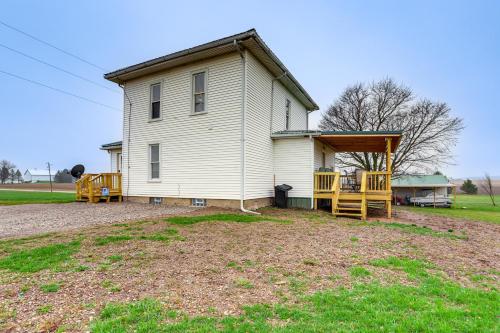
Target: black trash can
x=281, y=195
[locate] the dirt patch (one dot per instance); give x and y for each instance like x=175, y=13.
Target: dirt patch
x=217, y=267
x=39, y=187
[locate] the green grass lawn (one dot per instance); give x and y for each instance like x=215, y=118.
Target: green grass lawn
x=431, y=304
x=187, y=220
x=28, y=197
x=471, y=207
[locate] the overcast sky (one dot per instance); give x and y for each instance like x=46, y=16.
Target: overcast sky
x=445, y=50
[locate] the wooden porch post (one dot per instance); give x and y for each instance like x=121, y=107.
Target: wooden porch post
x=388, y=163
x=454, y=190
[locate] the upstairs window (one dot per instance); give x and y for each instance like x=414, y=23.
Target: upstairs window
x=154, y=161
x=155, y=91
x=288, y=105
x=199, y=92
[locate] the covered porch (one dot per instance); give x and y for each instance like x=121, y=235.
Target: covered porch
x=350, y=194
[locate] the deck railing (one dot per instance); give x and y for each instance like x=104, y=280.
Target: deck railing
x=93, y=187
x=325, y=181
x=371, y=181
x=378, y=181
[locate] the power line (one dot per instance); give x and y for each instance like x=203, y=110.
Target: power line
x=53, y=46
x=58, y=68
x=59, y=90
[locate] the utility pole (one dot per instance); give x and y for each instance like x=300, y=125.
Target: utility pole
x=50, y=176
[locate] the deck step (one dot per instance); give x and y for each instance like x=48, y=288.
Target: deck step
x=357, y=203
x=349, y=208
x=348, y=214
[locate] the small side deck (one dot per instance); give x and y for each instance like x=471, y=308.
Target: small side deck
x=350, y=195
x=101, y=186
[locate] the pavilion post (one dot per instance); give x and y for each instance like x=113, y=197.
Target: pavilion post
x=454, y=191
x=388, y=164
x=434, y=191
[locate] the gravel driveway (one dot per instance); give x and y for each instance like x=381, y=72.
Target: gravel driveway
x=25, y=220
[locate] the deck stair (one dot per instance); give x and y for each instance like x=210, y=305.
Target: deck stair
x=100, y=186
x=353, y=201
x=349, y=208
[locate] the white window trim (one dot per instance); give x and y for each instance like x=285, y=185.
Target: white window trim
x=119, y=162
x=194, y=202
x=193, y=73
x=288, y=114
x=150, y=108
x=154, y=180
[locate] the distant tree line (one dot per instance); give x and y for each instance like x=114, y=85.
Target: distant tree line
x=63, y=177
x=9, y=174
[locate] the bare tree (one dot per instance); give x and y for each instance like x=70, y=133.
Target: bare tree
x=429, y=130
x=5, y=170
x=487, y=186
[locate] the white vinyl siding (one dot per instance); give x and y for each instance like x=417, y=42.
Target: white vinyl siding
x=259, y=163
x=293, y=165
x=298, y=112
x=319, y=149
x=200, y=155
x=258, y=143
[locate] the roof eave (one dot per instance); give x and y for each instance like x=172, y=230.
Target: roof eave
x=120, y=76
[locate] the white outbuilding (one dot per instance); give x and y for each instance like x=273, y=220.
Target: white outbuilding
x=37, y=175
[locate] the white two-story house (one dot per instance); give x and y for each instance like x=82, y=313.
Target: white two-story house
x=219, y=124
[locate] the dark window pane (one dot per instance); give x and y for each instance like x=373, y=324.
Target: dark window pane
x=199, y=103
x=155, y=153
x=155, y=110
x=155, y=95
x=199, y=82
x=155, y=170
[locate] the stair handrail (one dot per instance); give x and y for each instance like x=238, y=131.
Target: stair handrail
x=364, y=176
x=335, y=191
x=364, y=206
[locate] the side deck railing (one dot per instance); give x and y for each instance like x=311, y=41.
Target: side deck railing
x=370, y=181
x=93, y=187
x=378, y=181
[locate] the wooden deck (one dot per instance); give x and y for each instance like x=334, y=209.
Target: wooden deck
x=100, y=186
x=350, y=196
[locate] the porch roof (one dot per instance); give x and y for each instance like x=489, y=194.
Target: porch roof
x=425, y=181
x=350, y=141
x=112, y=145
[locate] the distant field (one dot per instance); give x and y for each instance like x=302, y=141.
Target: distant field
x=478, y=183
x=471, y=207
x=8, y=197
x=39, y=186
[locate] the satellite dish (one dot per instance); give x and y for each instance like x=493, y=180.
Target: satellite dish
x=77, y=171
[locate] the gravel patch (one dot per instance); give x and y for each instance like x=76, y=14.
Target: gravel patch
x=25, y=220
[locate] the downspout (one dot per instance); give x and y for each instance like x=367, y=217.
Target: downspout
x=307, y=119
x=243, y=111
x=128, y=137
x=312, y=169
